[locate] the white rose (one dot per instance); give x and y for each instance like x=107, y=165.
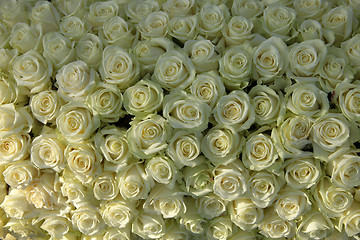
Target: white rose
x=211, y=19
x=179, y=7
x=175, y=232
x=191, y=220
x=14, y=147
x=10, y=91
x=134, y=183
x=183, y=28
x=56, y=226
x=245, y=214
x=275, y=227
x=302, y=172
x=119, y=67
x=89, y=49
x=75, y=192
x=244, y=235
x=12, y=12
x=117, y=213
x=314, y=225
x=238, y=30
x=149, y=225
x=47, y=151
x=87, y=220
x=20, y=174
x=119, y=234
x=118, y=32
x=199, y=179
x=148, y=136
x=182, y=110
x=236, y=66
x=332, y=201
x=32, y=71
x=349, y=221
x=83, y=160
x=352, y=49
x=163, y=171
x=7, y=58
x=25, y=38
x=221, y=145
x=104, y=186
x=347, y=96
x=174, y=70
x=219, y=228
x=45, y=106
x=153, y=25
x=71, y=8
x=311, y=9
x=76, y=122
x=230, y=180
x=14, y=119
x=311, y=29
x=72, y=27
x=99, y=12
x=210, y=206
x=23, y=228
x=15, y=205
x=45, y=14
x=247, y=9
x=137, y=9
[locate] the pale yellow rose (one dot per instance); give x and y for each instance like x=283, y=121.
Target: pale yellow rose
x=153, y=25
x=45, y=106
x=352, y=49
x=203, y=54
x=149, y=225
x=183, y=28
x=45, y=14
x=314, y=225
x=56, y=226
x=179, y=7
x=12, y=12
x=219, y=228
x=137, y=9
x=87, y=220
x=247, y=9
x=71, y=8
x=24, y=37
x=99, y=12
x=16, y=206
x=311, y=29
x=273, y=226
x=118, y=32
x=72, y=27
x=210, y=206
x=20, y=174
x=347, y=96
x=14, y=119
x=89, y=49
x=349, y=222
x=118, y=213
x=105, y=187
x=7, y=58
x=313, y=9
x=15, y=147
x=238, y=30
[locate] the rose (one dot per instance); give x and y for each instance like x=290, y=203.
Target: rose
x=45, y=106
x=236, y=66
x=219, y=228
x=291, y=203
x=99, y=12
x=175, y=232
x=247, y=9
x=179, y=8
x=163, y=171
x=278, y=20
x=7, y=58
x=274, y=227
x=45, y=14
x=270, y=59
x=314, y=225
x=198, y=180
x=245, y=214
x=306, y=99
x=23, y=228
x=10, y=92
x=116, y=31
x=167, y=202
x=56, y=226
x=349, y=221
x=351, y=48
x=292, y=136
x=244, y=235
x=106, y=101
x=14, y=119
x=73, y=8
x=305, y=57
x=5, y=33
x=25, y=38
x=235, y=110
x=14, y=147
x=153, y=25
x=210, y=206
x=148, y=136
x=347, y=96
x=13, y=12
x=20, y=174
x=149, y=225
x=185, y=111
x=311, y=29
x=143, y=98
x=119, y=67
x=76, y=122
x=114, y=233
x=32, y=71
x=174, y=70
x=211, y=19
x=75, y=192
x=310, y=9
x=191, y=220
x=117, y=213
x=15, y=205
x=137, y=9
x=83, y=160
x=47, y=151
x=72, y=27
x=104, y=186
x=221, y=145
x=230, y=180
x=202, y=54
x=89, y=49
x=208, y=87
x=134, y=183
x=183, y=28
x=87, y=220
x=238, y=30
x=332, y=201
x=302, y=172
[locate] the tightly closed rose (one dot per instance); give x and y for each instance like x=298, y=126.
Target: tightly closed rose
x=14, y=147
x=163, y=171
x=104, y=186
x=45, y=106
x=352, y=50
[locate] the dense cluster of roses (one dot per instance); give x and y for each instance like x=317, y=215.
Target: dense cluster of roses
x=179, y=119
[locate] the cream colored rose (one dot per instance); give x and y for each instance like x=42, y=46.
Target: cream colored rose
x=13, y=12
x=163, y=171
x=174, y=70
x=119, y=67
x=14, y=119
x=244, y=235
x=115, y=233
x=247, y=9
x=199, y=179
x=347, y=96
x=311, y=29
x=314, y=225
x=75, y=192
x=210, y=206
x=333, y=201
x=99, y=12
x=32, y=71
x=352, y=50
x=89, y=49
x=182, y=110
x=14, y=147
x=117, y=213
x=87, y=220
x=20, y=174
x=47, y=151
x=235, y=110
x=45, y=14
x=238, y=30
x=273, y=226
x=153, y=25
x=45, y=106
x=349, y=222
x=203, y=55
x=134, y=183
x=10, y=92
x=221, y=145
x=183, y=28
x=149, y=225
x=118, y=32
x=56, y=226
x=137, y=9
x=219, y=228
x=15, y=205
x=71, y=8
x=83, y=160
x=270, y=59
x=292, y=136
x=24, y=37
x=148, y=136
x=236, y=66
x=76, y=122
x=191, y=220
x=104, y=186
x=175, y=232
x=106, y=101
x=211, y=19
x=7, y=58
x=302, y=171
x=230, y=180
x=72, y=27
x=245, y=214
x=313, y=9
x=179, y=7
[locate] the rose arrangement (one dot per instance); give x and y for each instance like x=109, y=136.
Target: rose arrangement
x=179, y=119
